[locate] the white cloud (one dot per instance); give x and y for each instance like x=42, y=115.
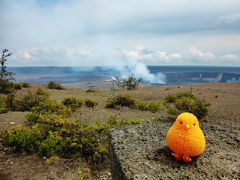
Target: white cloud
x=230, y=57
x=200, y=55
x=175, y=56
x=140, y=53
x=53, y=56
x=229, y=18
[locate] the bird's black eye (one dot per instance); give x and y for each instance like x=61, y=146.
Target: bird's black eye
x=180, y=122
x=194, y=124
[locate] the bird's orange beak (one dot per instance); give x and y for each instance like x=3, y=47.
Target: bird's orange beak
x=187, y=126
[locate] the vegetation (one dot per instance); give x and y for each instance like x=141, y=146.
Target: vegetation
x=186, y=102
x=25, y=84
x=121, y=100
x=3, y=105
x=25, y=101
x=131, y=83
x=152, y=106
x=90, y=103
x=54, y=85
x=72, y=102
x=92, y=90
x=6, y=77
x=54, y=134
x=127, y=101
x=50, y=130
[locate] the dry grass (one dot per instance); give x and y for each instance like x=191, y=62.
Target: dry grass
x=225, y=99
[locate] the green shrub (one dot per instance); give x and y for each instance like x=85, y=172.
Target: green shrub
x=3, y=105
x=54, y=85
x=186, y=102
x=153, y=106
x=6, y=86
x=92, y=90
x=55, y=135
x=90, y=103
x=25, y=101
x=47, y=107
x=23, y=139
x=131, y=83
x=121, y=100
x=72, y=102
x=17, y=86
x=25, y=85
x=49, y=147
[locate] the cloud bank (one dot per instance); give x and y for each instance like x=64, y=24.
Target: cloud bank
x=100, y=32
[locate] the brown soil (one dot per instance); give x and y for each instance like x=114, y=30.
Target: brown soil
x=225, y=99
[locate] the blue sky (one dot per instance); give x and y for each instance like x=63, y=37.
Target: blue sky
x=110, y=32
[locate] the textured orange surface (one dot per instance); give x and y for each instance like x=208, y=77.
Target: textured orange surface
x=185, y=138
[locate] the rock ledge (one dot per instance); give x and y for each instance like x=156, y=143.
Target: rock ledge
x=140, y=152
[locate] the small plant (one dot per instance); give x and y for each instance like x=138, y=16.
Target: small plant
x=5, y=77
x=153, y=106
x=47, y=107
x=3, y=105
x=72, y=102
x=17, y=86
x=90, y=103
x=186, y=102
x=25, y=101
x=92, y=90
x=121, y=100
x=25, y=85
x=131, y=83
x=54, y=85
x=23, y=139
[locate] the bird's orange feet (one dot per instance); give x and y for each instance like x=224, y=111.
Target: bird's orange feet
x=177, y=156
x=186, y=159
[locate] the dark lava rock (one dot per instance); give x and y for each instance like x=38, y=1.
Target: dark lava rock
x=140, y=152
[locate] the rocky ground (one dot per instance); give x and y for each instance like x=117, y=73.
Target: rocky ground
x=140, y=152
x=223, y=123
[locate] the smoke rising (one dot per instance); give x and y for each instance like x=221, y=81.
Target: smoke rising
x=140, y=70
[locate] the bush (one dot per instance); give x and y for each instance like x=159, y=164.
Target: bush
x=55, y=135
x=17, y=86
x=72, y=102
x=186, y=102
x=47, y=107
x=153, y=106
x=54, y=85
x=26, y=101
x=25, y=85
x=131, y=83
x=23, y=139
x=90, y=103
x=121, y=100
x=92, y=90
x=3, y=105
x=6, y=86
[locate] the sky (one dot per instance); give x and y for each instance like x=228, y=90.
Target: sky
x=112, y=33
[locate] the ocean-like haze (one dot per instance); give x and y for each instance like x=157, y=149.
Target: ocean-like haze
x=150, y=74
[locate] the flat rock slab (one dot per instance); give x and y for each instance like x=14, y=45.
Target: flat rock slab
x=140, y=152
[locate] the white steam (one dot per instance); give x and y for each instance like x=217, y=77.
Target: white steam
x=140, y=70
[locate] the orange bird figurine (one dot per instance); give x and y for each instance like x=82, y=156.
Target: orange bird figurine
x=185, y=138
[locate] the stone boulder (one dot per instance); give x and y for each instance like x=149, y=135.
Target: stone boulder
x=140, y=152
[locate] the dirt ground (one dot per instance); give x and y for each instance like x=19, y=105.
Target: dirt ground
x=225, y=100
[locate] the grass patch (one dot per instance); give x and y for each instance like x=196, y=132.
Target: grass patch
x=92, y=90
x=90, y=103
x=54, y=85
x=72, y=102
x=186, y=102
x=121, y=100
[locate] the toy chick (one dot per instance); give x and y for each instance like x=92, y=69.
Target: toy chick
x=185, y=138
